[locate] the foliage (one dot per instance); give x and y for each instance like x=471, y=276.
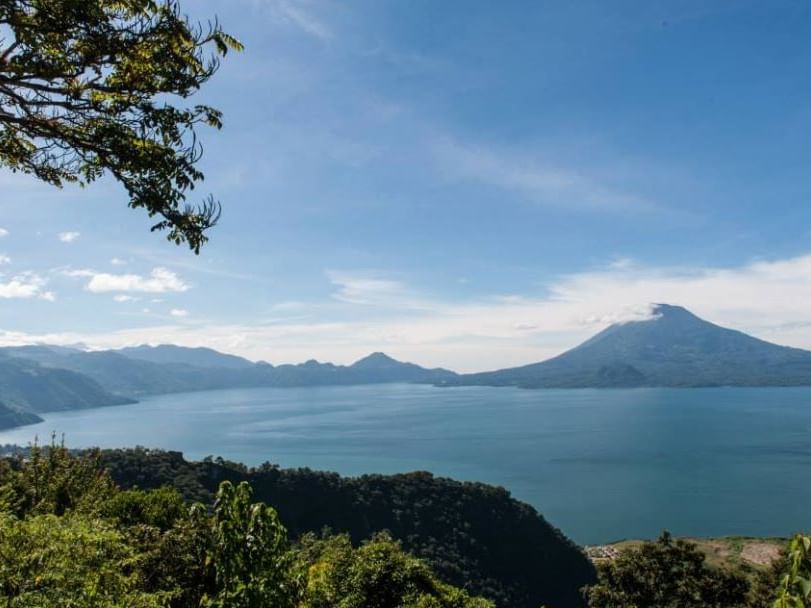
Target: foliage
x=51, y=481
x=378, y=574
x=69, y=538
x=766, y=583
x=666, y=574
x=472, y=535
x=795, y=585
x=85, y=89
x=161, y=508
x=54, y=562
x=248, y=553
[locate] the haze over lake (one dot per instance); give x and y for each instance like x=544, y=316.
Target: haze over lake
x=600, y=464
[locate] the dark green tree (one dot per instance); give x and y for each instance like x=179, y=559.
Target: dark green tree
x=87, y=88
x=665, y=574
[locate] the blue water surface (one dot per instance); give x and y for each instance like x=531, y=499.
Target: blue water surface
x=600, y=464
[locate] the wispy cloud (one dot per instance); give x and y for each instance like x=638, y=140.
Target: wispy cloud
x=118, y=262
x=160, y=280
x=299, y=14
x=68, y=237
x=25, y=285
x=179, y=312
x=536, y=179
x=4, y=259
x=3, y=232
x=374, y=291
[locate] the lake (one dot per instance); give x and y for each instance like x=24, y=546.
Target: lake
x=600, y=464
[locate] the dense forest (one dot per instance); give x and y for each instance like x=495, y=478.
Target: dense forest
x=473, y=535
x=70, y=538
x=196, y=535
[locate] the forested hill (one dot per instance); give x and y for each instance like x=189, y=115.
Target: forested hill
x=473, y=535
x=27, y=388
x=11, y=417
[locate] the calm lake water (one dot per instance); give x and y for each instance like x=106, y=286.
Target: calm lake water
x=599, y=464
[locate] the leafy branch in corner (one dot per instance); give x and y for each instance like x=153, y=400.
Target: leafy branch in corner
x=86, y=88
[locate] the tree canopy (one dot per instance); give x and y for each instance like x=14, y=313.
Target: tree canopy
x=70, y=538
x=87, y=88
x=669, y=573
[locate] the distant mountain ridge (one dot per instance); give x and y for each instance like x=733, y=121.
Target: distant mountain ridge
x=26, y=387
x=40, y=378
x=11, y=417
x=673, y=348
x=198, y=357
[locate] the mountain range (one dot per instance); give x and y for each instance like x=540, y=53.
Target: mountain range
x=43, y=378
x=671, y=348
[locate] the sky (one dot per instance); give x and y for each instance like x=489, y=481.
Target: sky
x=465, y=184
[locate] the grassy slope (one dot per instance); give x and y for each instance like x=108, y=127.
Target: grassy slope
x=746, y=554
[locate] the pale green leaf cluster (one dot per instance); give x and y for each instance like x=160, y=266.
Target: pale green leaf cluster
x=795, y=586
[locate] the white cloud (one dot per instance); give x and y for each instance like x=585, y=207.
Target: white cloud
x=68, y=237
x=768, y=299
x=118, y=262
x=537, y=179
x=160, y=280
x=3, y=232
x=124, y=298
x=372, y=290
x=24, y=286
x=179, y=312
x=359, y=289
x=4, y=259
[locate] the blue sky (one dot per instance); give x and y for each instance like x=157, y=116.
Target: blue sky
x=467, y=184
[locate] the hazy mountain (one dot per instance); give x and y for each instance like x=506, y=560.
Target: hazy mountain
x=672, y=348
x=135, y=377
x=27, y=386
x=376, y=368
x=379, y=367
x=197, y=357
x=11, y=417
x=178, y=369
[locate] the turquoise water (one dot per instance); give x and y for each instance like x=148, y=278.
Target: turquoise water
x=600, y=464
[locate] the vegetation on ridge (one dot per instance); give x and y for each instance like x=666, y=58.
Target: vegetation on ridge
x=472, y=535
x=70, y=538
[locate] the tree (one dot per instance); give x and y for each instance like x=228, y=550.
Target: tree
x=64, y=562
x=666, y=574
x=248, y=552
x=378, y=574
x=85, y=89
x=52, y=481
x=795, y=585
